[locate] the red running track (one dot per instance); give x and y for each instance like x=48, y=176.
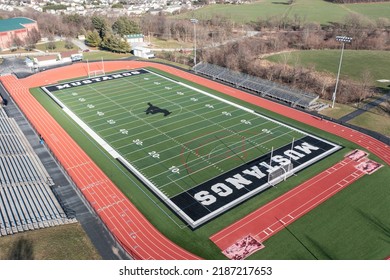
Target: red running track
x=274, y=216
x=129, y=227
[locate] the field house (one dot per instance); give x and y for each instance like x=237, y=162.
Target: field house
x=183, y=165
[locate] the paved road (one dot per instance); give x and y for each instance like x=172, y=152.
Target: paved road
x=80, y=44
x=367, y=107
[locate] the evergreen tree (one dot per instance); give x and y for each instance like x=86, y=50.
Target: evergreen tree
x=101, y=25
x=93, y=39
x=124, y=26
x=115, y=43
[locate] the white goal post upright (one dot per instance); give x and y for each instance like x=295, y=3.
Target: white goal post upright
x=281, y=173
x=104, y=72
x=96, y=73
x=292, y=146
x=89, y=72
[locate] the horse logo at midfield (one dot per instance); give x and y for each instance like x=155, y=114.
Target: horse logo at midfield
x=154, y=110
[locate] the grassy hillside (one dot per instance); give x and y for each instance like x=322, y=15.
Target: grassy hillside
x=66, y=242
x=355, y=63
x=311, y=10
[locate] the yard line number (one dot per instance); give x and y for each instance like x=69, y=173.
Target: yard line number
x=174, y=169
x=226, y=114
x=267, y=131
x=246, y=122
x=154, y=154
x=123, y=131
x=138, y=142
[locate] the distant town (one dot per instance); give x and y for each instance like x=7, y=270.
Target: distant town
x=107, y=7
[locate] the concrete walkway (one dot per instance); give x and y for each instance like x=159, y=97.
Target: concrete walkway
x=365, y=108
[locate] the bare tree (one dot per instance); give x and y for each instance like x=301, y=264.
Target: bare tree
x=32, y=38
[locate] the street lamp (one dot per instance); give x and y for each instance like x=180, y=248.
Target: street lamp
x=343, y=40
x=194, y=21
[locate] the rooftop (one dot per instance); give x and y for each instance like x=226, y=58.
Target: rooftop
x=134, y=36
x=14, y=23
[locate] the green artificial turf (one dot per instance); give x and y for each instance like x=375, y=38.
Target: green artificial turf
x=355, y=214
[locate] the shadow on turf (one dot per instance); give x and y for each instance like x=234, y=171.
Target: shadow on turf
x=375, y=221
x=22, y=249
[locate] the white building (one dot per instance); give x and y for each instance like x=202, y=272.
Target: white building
x=134, y=38
x=143, y=52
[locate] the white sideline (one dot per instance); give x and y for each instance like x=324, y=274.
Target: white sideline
x=84, y=126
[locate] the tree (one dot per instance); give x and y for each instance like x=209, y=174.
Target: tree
x=101, y=25
x=115, y=43
x=51, y=45
x=124, y=26
x=32, y=38
x=16, y=42
x=93, y=39
x=68, y=44
x=117, y=6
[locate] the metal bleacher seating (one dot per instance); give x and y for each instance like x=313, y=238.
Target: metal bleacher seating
x=257, y=85
x=26, y=199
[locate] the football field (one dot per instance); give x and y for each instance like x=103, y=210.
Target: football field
x=199, y=153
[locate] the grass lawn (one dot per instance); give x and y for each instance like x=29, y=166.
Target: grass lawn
x=353, y=65
x=66, y=242
x=98, y=55
x=311, y=10
x=373, y=121
x=160, y=60
x=17, y=51
x=325, y=230
x=338, y=111
x=157, y=43
x=60, y=47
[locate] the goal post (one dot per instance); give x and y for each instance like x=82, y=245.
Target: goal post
x=280, y=174
x=96, y=72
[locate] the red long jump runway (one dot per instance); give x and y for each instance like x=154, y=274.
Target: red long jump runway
x=122, y=218
x=282, y=211
x=127, y=224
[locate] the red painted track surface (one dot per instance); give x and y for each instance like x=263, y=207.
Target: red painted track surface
x=282, y=211
x=126, y=223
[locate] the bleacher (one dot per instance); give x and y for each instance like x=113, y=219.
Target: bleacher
x=257, y=85
x=26, y=199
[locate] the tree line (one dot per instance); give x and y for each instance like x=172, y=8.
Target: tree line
x=216, y=42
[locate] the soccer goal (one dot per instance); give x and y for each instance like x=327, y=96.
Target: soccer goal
x=280, y=174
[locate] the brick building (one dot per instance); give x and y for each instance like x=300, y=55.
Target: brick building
x=19, y=26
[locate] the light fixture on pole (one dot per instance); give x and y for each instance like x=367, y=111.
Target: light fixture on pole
x=194, y=21
x=343, y=40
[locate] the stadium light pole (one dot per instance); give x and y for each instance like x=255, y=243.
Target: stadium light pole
x=194, y=21
x=343, y=40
